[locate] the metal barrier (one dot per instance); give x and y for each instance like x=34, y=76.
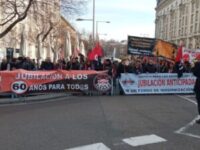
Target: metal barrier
x=12, y=97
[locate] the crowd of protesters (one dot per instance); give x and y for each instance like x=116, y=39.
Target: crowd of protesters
x=132, y=64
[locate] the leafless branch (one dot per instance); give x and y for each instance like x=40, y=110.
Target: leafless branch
x=17, y=19
x=48, y=31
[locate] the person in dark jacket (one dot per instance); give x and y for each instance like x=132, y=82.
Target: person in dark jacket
x=187, y=67
x=73, y=64
x=179, y=69
x=3, y=65
x=123, y=67
x=98, y=66
x=107, y=65
x=138, y=68
x=151, y=68
x=196, y=72
x=47, y=64
x=28, y=64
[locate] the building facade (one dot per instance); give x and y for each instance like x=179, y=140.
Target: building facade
x=27, y=37
x=178, y=20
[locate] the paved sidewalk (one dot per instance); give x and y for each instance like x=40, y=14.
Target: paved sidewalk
x=31, y=98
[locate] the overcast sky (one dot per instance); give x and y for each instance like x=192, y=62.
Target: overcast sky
x=127, y=17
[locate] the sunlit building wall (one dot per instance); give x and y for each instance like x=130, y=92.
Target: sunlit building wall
x=178, y=20
x=30, y=28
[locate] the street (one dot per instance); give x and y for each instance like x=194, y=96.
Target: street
x=103, y=123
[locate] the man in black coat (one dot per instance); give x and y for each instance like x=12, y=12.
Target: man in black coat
x=3, y=65
x=47, y=64
x=124, y=67
x=196, y=72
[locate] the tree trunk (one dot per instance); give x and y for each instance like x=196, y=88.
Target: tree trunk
x=38, y=51
x=54, y=54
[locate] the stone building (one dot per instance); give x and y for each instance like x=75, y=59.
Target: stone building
x=178, y=20
x=26, y=38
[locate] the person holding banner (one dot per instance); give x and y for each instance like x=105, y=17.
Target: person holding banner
x=123, y=67
x=196, y=72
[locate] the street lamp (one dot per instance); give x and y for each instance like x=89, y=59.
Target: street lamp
x=93, y=21
x=93, y=33
x=97, y=27
x=105, y=34
x=80, y=19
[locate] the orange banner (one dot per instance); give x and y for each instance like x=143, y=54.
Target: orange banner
x=165, y=49
x=22, y=81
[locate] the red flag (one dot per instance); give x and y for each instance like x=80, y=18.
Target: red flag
x=91, y=56
x=179, y=54
x=96, y=52
x=186, y=57
x=98, y=49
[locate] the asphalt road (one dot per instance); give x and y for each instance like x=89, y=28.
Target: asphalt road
x=77, y=121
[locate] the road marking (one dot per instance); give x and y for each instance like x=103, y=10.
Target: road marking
x=191, y=135
x=32, y=102
x=190, y=96
x=190, y=124
x=96, y=146
x=187, y=99
x=144, y=140
x=183, y=129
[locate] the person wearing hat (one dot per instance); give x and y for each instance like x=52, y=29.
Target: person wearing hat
x=196, y=72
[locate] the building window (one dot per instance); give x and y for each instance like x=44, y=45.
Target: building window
x=197, y=4
x=195, y=28
x=191, y=29
x=185, y=30
x=196, y=16
x=186, y=21
x=186, y=9
x=192, y=18
x=193, y=4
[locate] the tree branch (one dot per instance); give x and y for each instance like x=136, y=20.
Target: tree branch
x=19, y=19
x=47, y=33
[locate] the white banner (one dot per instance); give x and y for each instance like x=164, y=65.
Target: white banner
x=158, y=83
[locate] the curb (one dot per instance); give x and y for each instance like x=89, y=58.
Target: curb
x=43, y=97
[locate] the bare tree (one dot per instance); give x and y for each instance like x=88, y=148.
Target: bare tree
x=57, y=39
x=109, y=46
x=71, y=7
x=55, y=44
x=47, y=22
x=14, y=11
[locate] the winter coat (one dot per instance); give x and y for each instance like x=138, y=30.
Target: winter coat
x=196, y=72
x=47, y=66
x=124, y=69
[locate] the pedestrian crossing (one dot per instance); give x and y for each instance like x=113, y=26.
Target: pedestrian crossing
x=144, y=140
x=96, y=146
x=132, y=141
